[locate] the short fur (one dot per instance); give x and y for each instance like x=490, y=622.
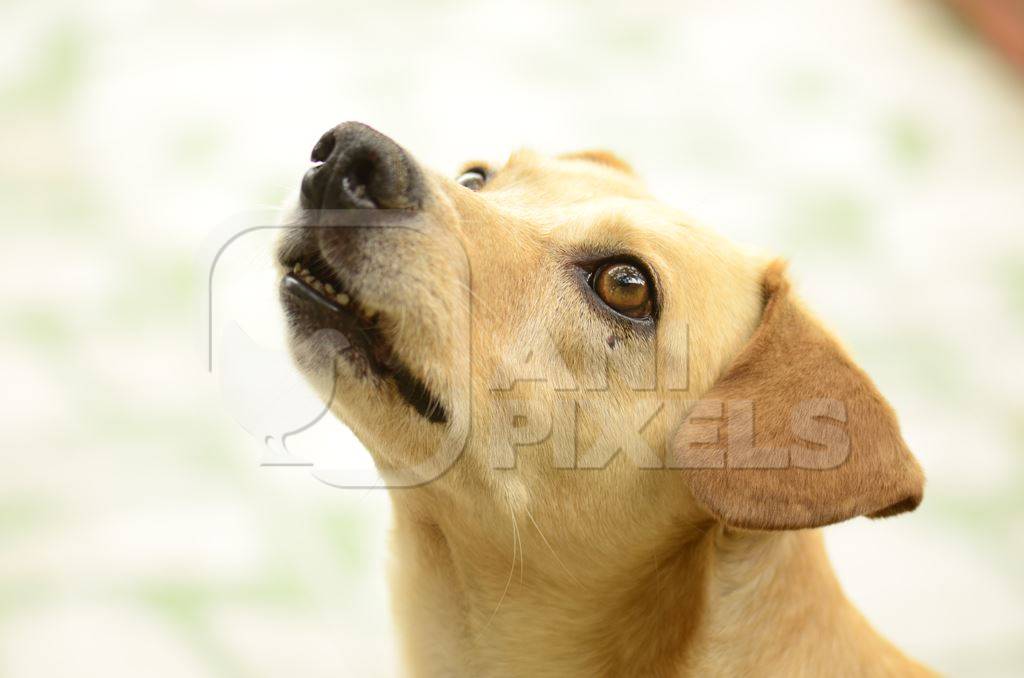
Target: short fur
x=614, y=555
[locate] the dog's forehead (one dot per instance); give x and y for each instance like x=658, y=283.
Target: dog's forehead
x=589, y=198
x=532, y=178
x=592, y=203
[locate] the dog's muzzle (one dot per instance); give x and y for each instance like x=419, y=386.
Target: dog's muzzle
x=345, y=245
x=358, y=167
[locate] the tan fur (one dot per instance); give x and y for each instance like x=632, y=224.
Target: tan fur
x=602, y=157
x=510, y=564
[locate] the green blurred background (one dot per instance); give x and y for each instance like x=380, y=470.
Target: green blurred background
x=876, y=143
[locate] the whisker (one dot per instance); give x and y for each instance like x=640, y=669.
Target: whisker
x=550, y=548
x=511, y=572
x=483, y=304
x=522, y=550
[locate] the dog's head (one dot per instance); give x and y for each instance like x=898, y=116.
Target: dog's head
x=582, y=348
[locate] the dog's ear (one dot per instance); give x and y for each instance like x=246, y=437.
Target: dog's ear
x=795, y=435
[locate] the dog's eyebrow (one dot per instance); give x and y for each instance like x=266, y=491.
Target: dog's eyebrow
x=476, y=164
x=601, y=157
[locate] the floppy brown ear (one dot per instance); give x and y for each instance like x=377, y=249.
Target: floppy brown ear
x=795, y=435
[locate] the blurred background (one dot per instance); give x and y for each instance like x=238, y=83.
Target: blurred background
x=878, y=144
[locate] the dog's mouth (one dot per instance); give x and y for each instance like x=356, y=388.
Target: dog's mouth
x=310, y=286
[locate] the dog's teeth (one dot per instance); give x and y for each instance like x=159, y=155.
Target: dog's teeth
x=309, y=279
x=318, y=286
x=297, y=269
x=342, y=298
x=329, y=288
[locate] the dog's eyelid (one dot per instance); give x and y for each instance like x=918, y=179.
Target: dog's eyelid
x=594, y=260
x=476, y=166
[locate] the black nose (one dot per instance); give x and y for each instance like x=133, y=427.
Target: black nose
x=360, y=167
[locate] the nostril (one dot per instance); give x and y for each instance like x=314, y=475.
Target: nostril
x=313, y=182
x=359, y=178
x=323, y=148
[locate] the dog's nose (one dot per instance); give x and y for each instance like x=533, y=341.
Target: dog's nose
x=357, y=166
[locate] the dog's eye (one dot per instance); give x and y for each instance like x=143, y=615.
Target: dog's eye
x=625, y=288
x=473, y=179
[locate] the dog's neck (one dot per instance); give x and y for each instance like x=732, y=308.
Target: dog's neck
x=774, y=607
x=705, y=601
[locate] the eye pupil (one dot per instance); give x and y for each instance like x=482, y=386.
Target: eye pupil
x=473, y=179
x=625, y=288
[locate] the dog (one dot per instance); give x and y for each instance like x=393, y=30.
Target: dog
x=609, y=434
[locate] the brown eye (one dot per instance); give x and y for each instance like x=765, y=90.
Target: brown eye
x=473, y=179
x=625, y=288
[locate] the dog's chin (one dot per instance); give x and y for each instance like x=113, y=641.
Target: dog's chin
x=346, y=348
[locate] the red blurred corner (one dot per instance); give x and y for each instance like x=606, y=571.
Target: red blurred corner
x=1000, y=22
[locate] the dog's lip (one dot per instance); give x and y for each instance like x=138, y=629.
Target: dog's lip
x=363, y=333
x=301, y=289
x=328, y=313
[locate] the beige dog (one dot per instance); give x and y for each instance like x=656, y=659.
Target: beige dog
x=608, y=430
